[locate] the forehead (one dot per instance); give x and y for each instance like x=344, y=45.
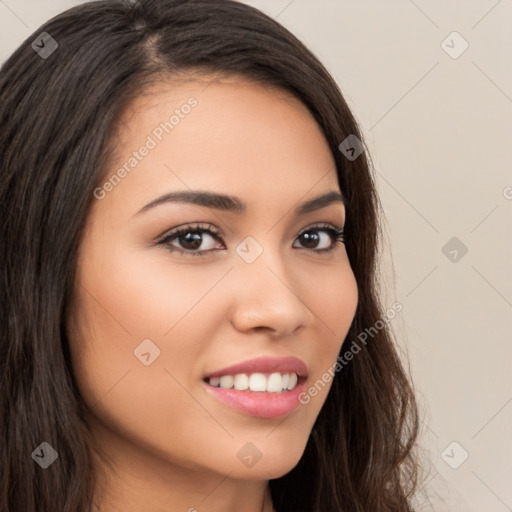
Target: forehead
x=230, y=136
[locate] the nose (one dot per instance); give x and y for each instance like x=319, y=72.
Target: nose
x=267, y=299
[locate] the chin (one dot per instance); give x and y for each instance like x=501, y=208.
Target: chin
x=271, y=465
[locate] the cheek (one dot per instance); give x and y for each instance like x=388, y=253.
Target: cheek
x=146, y=293
x=133, y=311
x=334, y=301
x=333, y=298
x=127, y=297
x=127, y=301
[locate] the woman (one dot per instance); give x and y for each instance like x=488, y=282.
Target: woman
x=260, y=375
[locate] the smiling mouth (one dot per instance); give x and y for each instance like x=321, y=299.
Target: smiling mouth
x=261, y=395
x=275, y=382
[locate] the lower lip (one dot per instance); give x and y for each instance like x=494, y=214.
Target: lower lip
x=261, y=404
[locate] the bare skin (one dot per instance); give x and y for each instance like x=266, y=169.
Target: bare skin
x=172, y=444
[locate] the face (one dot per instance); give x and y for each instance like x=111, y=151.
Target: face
x=168, y=297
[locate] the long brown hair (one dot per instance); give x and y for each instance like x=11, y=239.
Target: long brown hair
x=58, y=114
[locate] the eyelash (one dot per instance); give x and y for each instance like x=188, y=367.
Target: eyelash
x=335, y=233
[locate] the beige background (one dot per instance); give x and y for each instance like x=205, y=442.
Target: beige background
x=439, y=130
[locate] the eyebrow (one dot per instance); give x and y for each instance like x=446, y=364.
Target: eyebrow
x=236, y=205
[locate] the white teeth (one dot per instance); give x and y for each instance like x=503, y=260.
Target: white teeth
x=215, y=381
x=241, y=382
x=257, y=382
x=226, y=381
x=273, y=383
x=292, y=382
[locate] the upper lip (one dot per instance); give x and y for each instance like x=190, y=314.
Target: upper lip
x=264, y=365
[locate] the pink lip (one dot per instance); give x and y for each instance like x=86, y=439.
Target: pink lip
x=261, y=404
x=265, y=365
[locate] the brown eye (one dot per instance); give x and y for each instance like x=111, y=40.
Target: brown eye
x=193, y=240
x=312, y=238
